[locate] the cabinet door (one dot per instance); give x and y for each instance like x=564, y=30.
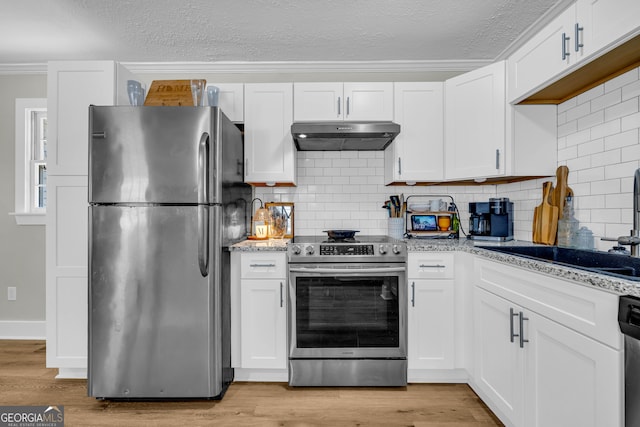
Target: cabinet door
x=417, y=152
x=318, y=101
x=270, y=153
x=263, y=324
x=498, y=371
x=604, y=22
x=71, y=88
x=67, y=275
x=368, y=101
x=231, y=100
x=475, y=123
x=431, y=324
x=541, y=59
x=571, y=380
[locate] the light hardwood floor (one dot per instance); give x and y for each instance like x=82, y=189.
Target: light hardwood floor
x=24, y=380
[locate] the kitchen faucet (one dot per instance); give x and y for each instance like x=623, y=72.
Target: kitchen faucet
x=634, y=239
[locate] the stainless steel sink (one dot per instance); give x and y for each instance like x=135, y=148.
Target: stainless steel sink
x=621, y=266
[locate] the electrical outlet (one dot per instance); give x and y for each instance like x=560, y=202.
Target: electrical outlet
x=11, y=293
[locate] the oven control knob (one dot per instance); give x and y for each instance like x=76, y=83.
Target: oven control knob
x=310, y=250
x=296, y=249
x=382, y=249
x=396, y=249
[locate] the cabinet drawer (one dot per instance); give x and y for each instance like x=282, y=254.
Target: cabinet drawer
x=265, y=265
x=430, y=265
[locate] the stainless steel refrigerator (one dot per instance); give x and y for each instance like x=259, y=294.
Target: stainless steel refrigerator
x=166, y=196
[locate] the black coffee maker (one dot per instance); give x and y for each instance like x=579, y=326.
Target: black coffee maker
x=491, y=221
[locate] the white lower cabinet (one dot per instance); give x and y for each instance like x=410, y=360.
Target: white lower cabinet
x=259, y=316
x=430, y=323
x=431, y=315
x=533, y=370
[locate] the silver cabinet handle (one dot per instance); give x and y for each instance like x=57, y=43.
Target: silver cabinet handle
x=565, y=51
x=522, y=319
x=579, y=30
x=246, y=167
x=432, y=266
x=512, y=314
x=497, y=158
x=399, y=165
x=339, y=102
x=281, y=295
x=348, y=109
x=272, y=265
x=413, y=294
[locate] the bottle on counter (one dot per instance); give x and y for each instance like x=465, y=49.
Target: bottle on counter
x=567, y=225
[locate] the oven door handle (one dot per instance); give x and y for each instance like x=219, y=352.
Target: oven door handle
x=347, y=270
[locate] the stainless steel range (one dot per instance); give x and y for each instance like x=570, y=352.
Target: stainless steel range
x=347, y=311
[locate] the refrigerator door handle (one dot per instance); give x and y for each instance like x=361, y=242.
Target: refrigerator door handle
x=203, y=239
x=203, y=168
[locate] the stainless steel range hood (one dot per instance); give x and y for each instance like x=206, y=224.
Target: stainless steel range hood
x=341, y=136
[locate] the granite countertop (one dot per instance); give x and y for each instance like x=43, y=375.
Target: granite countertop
x=600, y=281
x=272, y=245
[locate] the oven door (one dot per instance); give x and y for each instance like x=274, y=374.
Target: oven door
x=347, y=311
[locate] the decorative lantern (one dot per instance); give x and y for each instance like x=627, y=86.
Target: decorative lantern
x=261, y=223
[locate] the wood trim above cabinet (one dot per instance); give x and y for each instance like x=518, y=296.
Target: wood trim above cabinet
x=612, y=64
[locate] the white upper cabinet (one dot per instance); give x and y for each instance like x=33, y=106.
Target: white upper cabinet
x=485, y=137
x=231, y=100
x=343, y=101
x=583, y=31
x=604, y=23
x=416, y=154
x=270, y=154
x=475, y=123
x=71, y=87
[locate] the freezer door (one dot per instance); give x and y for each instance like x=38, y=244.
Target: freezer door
x=152, y=155
x=155, y=323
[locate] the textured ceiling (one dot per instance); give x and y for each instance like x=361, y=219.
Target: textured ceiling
x=35, y=31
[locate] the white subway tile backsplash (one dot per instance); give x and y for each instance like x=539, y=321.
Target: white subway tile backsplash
x=591, y=120
x=621, y=109
x=604, y=187
x=620, y=170
x=579, y=111
x=606, y=129
x=567, y=128
x=605, y=158
x=631, y=90
x=607, y=100
x=631, y=122
x=621, y=80
x=622, y=139
x=591, y=147
x=590, y=94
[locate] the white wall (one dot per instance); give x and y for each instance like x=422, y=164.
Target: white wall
x=21, y=247
x=598, y=139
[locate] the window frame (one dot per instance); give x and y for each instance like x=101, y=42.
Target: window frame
x=24, y=213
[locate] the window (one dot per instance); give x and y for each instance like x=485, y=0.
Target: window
x=31, y=161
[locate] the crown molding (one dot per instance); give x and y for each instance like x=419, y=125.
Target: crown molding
x=31, y=68
x=304, y=67
x=274, y=67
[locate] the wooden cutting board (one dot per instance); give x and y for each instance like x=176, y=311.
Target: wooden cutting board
x=170, y=93
x=545, y=218
x=562, y=190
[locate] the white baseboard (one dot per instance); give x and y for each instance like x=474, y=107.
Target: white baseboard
x=23, y=330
